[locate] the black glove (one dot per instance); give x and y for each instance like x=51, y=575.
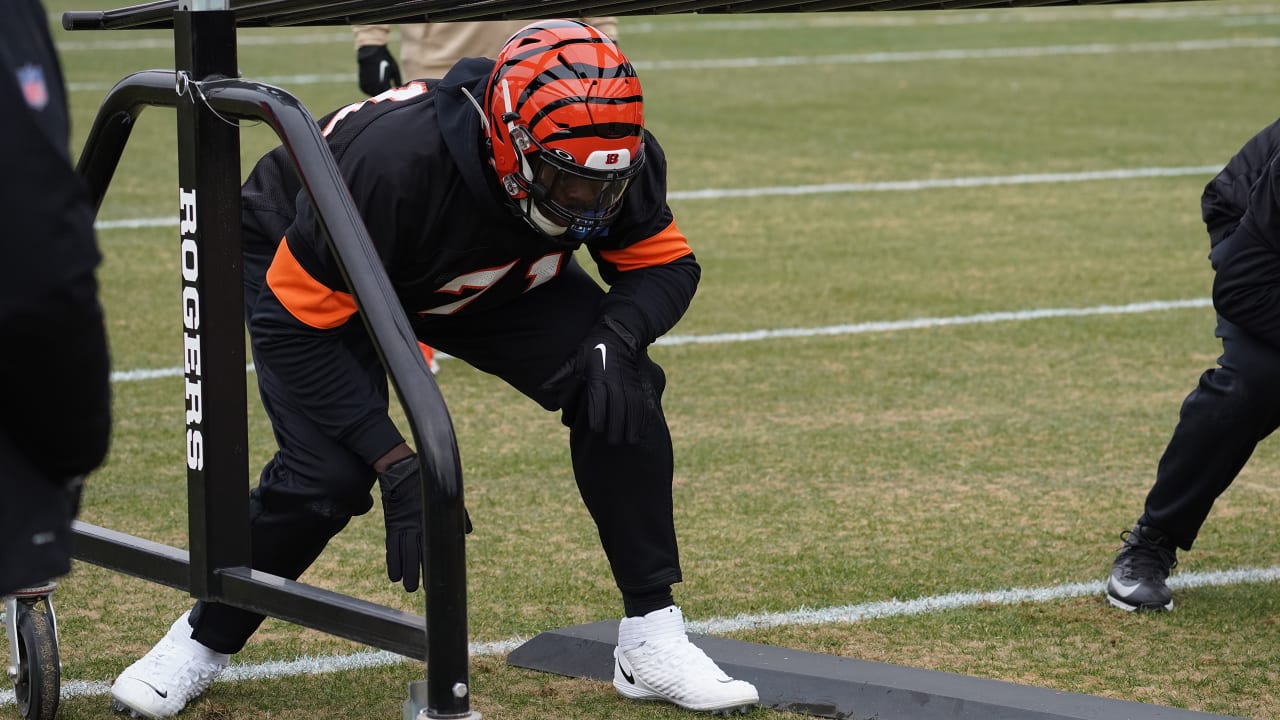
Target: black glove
x=402, y=513
x=402, y=508
x=378, y=70
x=619, y=400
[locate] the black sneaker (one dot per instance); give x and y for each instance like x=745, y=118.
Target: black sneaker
x=1141, y=567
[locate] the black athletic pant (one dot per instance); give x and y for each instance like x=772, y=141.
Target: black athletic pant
x=1234, y=407
x=313, y=486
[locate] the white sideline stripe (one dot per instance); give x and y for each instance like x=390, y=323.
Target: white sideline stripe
x=957, y=601
x=311, y=665
x=305, y=665
x=135, y=223
x=881, y=186
x=940, y=183
x=959, y=54
x=842, y=58
x=935, y=322
x=853, y=329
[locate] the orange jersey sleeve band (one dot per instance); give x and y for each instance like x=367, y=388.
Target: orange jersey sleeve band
x=305, y=297
x=660, y=249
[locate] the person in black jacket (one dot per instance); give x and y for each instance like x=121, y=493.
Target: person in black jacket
x=476, y=192
x=1237, y=404
x=54, y=368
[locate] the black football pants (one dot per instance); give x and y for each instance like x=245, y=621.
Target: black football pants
x=1234, y=407
x=313, y=486
x=626, y=488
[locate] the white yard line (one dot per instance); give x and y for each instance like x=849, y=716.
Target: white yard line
x=875, y=326
x=941, y=183
x=308, y=665
x=834, y=188
x=961, y=54
x=935, y=322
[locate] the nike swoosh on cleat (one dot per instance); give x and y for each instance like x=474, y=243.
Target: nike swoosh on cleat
x=630, y=678
x=604, y=352
x=155, y=689
x=1118, y=587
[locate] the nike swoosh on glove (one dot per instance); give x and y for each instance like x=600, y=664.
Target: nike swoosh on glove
x=378, y=71
x=619, y=401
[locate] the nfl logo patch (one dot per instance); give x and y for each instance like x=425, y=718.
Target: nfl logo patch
x=31, y=79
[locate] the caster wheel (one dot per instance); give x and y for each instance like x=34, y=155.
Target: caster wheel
x=39, y=674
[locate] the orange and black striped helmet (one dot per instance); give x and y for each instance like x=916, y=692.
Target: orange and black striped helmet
x=565, y=119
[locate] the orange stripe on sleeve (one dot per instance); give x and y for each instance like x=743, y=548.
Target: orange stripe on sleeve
x=660, y=249
x=305, y=297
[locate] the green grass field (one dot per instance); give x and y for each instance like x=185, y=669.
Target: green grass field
x=947, y=159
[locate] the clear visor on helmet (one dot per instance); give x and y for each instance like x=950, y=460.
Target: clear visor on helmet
x=577, y=197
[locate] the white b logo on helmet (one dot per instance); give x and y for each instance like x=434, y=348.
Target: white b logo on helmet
x=619, y=159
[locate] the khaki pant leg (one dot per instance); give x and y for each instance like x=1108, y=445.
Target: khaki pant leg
x=370, y=34
x=430, y=49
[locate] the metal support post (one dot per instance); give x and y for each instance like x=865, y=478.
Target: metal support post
x=212, y=302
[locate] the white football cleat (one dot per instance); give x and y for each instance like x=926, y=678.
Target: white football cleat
x=164, y=680
x=654, y=660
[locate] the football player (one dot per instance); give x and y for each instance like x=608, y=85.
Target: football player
x=476, y=191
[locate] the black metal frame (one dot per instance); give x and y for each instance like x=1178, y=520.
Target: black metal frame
x=273, y=13
x=209, y=99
